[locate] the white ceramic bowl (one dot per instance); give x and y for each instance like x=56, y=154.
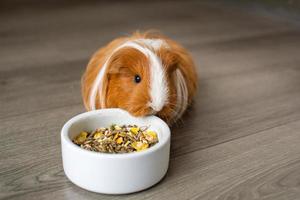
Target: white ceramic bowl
x=114, y=173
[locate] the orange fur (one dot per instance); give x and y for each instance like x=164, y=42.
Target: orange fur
x=119, y=86
x=122, y=91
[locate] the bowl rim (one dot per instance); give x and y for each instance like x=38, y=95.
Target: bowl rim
x=162, y=142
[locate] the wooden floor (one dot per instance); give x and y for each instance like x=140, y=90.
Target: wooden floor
x=240, y=139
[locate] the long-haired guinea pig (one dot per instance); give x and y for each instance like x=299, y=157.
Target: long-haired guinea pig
x=145, y=74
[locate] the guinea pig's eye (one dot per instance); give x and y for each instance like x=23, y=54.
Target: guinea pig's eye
x=137, y=78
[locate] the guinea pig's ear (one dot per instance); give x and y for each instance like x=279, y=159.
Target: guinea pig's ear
x=124, y=61
x=114, y=68
x=182, y=71
x=169, y=61
x=117, y=68
x=185, y=67
x=93, y=68
x=117, y=64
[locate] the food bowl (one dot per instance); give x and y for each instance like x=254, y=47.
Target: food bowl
x=114, y=173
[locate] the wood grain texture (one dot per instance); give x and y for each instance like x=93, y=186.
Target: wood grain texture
x=239, y=140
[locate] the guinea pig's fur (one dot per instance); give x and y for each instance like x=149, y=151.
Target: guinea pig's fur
x=168, y=78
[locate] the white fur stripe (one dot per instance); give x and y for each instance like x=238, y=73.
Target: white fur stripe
x=181, y=93
x=153, y=43
x=159, y=91
x=158, y=85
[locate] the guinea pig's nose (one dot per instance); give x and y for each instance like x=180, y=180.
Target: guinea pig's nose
x=154, y=109
x=152, y=112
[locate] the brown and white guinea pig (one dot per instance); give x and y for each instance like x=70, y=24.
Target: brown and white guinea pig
x=145, y=74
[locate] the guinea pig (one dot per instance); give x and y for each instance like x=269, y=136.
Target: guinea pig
x=145, y=74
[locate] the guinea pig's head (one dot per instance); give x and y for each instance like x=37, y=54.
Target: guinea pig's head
x=142, y=77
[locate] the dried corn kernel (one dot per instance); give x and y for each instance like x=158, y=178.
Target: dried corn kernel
x=81, y=137
x=98, y=135
x=139, y=146
x=150, y=135
x=119, y=140
x=134, y=130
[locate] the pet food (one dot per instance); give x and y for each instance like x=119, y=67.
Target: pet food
x=117, y=139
